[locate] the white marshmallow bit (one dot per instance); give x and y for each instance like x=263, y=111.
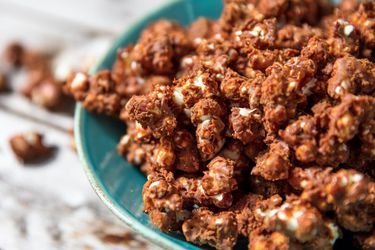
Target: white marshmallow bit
x=218, y=36
x=154, y=184
x=238, y=33
x=338, y=90
x=219, y=197
x=345, y=85
x=292, y=223
x=205, y=117
x=125, y=140
x=243, y=89
x=187, y=61
x=356, y=178
x=342, y=22
x=282, y=216
x=140, y=80
x=335, y=232
x=133, y=65
x=344, y=181
x=31, y=137
x=219, y=221
x=292, y=85
x=258, y=32
x=268, y=213
x=348, y=29
x=220, y=76
x=304, y=183
x=178, y=97
x=199, y=82
x=79, y=81
x=200, y=188
x=198, y=40
x=246, y=112
x=137, y=158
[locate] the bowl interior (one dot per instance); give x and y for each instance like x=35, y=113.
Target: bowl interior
x=118, y=183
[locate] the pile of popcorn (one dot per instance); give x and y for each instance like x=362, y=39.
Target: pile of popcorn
x=260, y=125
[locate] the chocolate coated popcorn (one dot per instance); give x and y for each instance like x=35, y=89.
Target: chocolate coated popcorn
x=29, y=147
x=259, y=125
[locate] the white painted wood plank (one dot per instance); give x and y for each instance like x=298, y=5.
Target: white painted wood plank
x=99, y=14
x=53, y=206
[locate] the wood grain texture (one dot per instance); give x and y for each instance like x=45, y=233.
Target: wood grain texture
x=52, y=206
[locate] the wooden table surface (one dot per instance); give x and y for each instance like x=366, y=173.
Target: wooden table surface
x=52, y=206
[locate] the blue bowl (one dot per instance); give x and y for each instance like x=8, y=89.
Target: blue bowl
x=117, y=182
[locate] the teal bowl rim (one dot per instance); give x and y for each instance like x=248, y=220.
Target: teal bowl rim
x=122, y=213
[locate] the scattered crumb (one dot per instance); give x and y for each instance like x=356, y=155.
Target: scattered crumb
x=30, y=148
x=3, y=82
x=14, y=54
x=41, y=87
x=118, y=239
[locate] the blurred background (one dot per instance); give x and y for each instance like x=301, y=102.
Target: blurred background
x=50, y=205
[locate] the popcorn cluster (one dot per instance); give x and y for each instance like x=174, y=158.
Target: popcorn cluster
x=258, y=125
